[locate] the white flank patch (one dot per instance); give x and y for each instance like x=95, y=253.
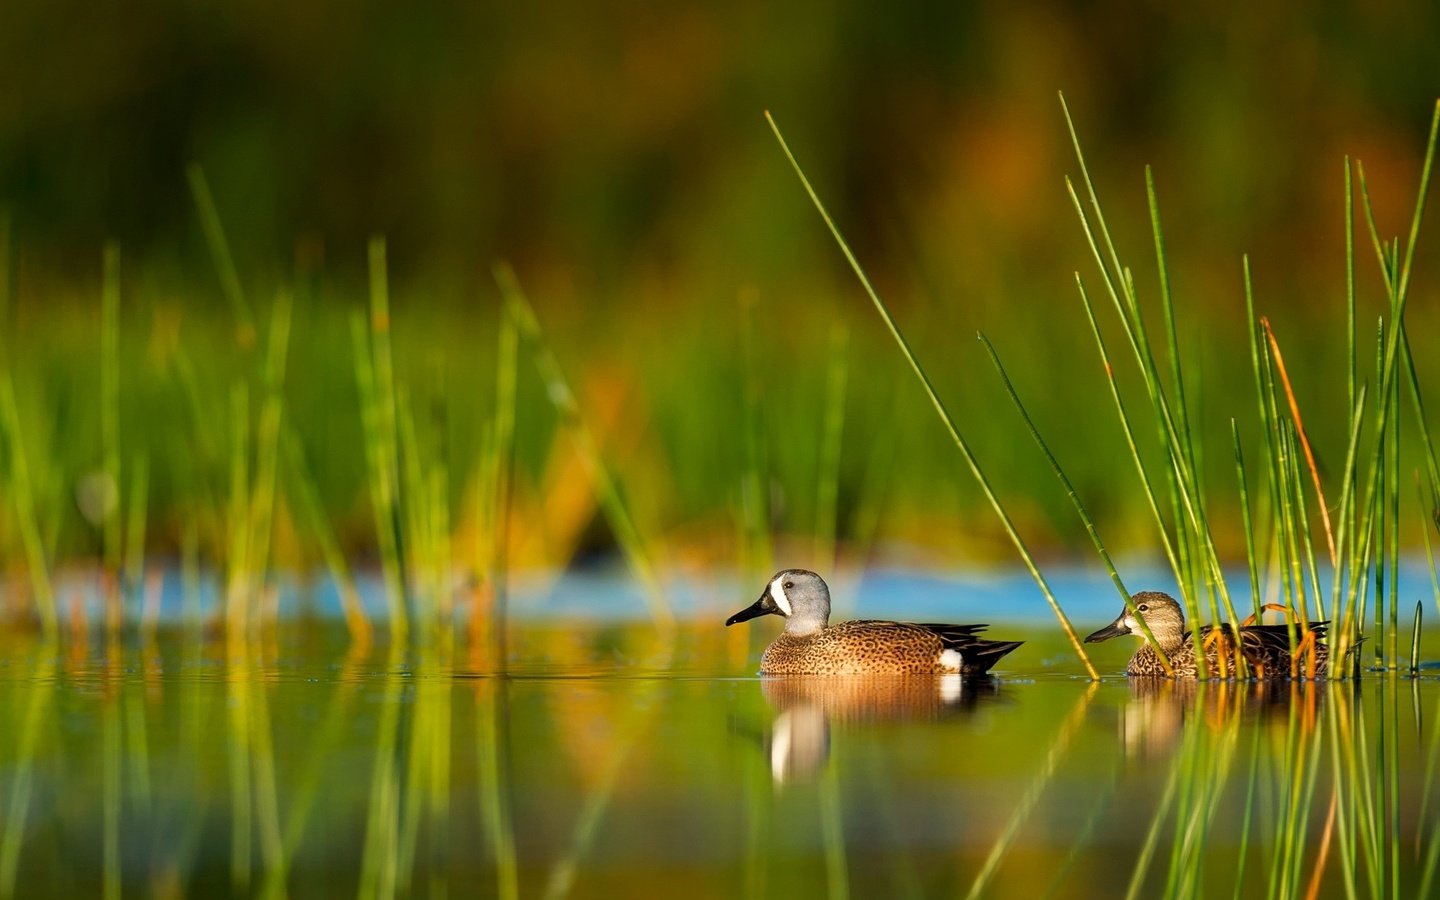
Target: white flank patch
x=950, y=686
x=777, y=593
x=951, y=660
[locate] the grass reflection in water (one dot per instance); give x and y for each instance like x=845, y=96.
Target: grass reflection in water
x=177, y=770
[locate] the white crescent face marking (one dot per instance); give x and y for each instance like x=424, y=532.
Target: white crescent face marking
x=777, y=593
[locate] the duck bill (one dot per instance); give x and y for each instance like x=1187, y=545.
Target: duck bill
x=762, y=607
x=1114, y=629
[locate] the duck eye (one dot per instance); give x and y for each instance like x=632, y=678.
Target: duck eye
x=1143, y=608
x=789, y=584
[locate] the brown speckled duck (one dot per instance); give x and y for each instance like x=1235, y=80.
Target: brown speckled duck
x=1265, y=647
x=809, y=645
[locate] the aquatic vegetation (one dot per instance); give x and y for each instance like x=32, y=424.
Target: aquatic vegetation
x=332, y=773
x=1365, y=543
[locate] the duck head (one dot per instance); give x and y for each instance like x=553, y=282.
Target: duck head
x=799, y=595
x=1159, y=610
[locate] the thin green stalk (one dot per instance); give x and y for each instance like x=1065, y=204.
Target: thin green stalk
x=497, y=469
x=110, y=797
x=267, y=801
x=1187, y=493
x=190, y=581
x=1432, y=467
x=303, y=492
x=1346, y=811
x=1167, y=308
x=220, y=254
x=23, y=495
x=832, y=829
x=267, y=440
x=940, y=408
x=1249, y=814
x=238, y=586
x=1285, y=497
x=1350, y=348
x=1392, y=549
x=1025, y=805
x=318, y=761
x=1083, y=839
x=1419, y=213
x=7, y=265
x=758, y=556
x=378, y=863
x=412, y=501
x=1368, y=817
x=382, y=478
x=607, y=486
x=1079, y=505
x=384, y=433
x=239, y=756
x=626, y=736
x=1415, y=639
x=1304, y=536
x=1152, y=834
x=832, y=433
x=1161, y=528
x=1426, y=523
x=1392, y=746
x=110, y=400
x=495, y=801
x=1347, y=517
x=1264, y=398
x=135, y=524
x=1247, y=526
x=41, y=690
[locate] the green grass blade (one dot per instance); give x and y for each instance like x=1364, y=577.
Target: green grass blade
x=607, y=487
x=220, y=254
x=757, y=548
x=1079, y=505
x=22, y=493
x=939, y=406
x=110, y=398
x=832, y=433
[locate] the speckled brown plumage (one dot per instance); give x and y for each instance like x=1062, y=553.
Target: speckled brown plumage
x=1265, y=647
x=869, y=647
x=809, y=645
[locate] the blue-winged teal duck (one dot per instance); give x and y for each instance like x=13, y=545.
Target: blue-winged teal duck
x=1265, y=647
x=809, y=645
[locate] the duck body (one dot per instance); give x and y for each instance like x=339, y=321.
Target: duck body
x=811, y=646
x=1266, y=648
x=871, y=647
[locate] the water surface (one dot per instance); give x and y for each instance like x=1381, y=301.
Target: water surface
x=609, y=762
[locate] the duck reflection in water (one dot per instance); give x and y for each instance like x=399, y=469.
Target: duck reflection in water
x=798, y=743
x=1160, y=709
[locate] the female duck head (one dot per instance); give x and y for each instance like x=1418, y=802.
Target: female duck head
x=797, y=594
x=1160, y=612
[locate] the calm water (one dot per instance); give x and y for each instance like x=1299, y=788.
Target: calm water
x=610, y=763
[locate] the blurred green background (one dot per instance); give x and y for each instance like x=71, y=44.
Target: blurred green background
x=616, y=155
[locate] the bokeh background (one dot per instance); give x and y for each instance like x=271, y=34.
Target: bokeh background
x=616, y=155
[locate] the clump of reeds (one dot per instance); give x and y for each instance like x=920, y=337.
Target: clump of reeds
x=1361, y=544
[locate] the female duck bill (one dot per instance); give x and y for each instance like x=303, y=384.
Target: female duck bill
x=1117, y=628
